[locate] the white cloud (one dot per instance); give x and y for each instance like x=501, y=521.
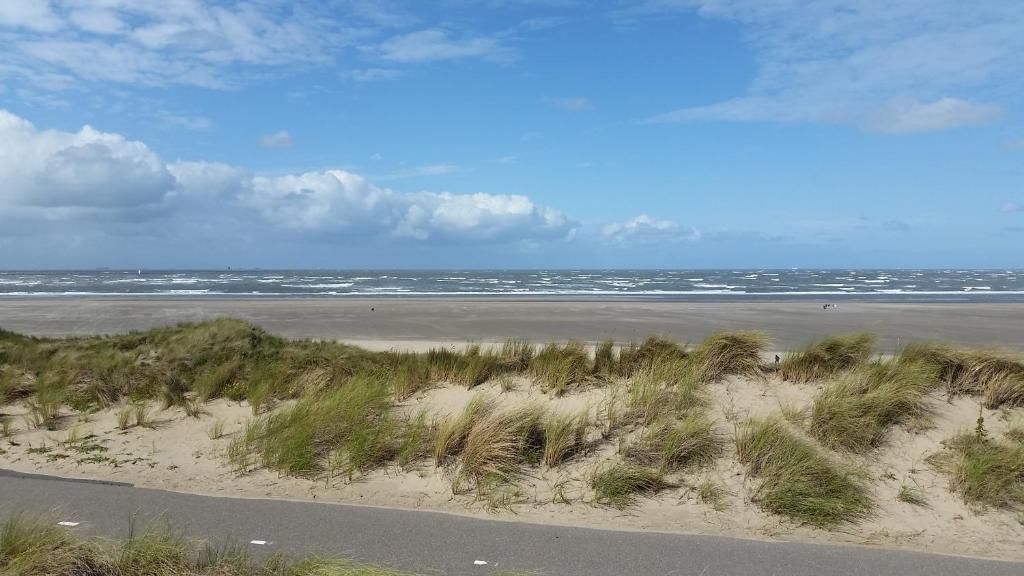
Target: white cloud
x=916, y=65
x=34, y=15
x=435, y=44
x=280, y=139
x=86, y=169
x=643, y=229
x=208, y=44
x=1012, y=207
x=574, y=104
x=907, y=115
x=372, y=74
x=197, y=123
x=420, y=171
x=78, y=176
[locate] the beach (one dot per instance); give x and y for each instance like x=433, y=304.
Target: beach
x=415, y=323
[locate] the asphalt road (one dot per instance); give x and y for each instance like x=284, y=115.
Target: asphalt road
x=438, y=543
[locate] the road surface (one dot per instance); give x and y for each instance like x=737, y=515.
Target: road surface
x=439, y=543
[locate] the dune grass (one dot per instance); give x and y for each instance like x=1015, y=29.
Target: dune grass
x=559, y=367
x=621, y=484
x=912, y=495
x=654, y=393
x=351, y=428
x=672, y=445
x=984, y=471
x=36, y=546
x=996, y=376
x=486, y=448
x=651, y=354
x=564, y=436
x=498, y=446
x=824, y=359
x=856, y=412
x=798, y=480
x=729, y=354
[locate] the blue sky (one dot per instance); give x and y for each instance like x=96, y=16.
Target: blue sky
x=511, y=133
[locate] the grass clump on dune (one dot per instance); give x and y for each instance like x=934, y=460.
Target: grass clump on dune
x=564, y=436
x=828, y=357
x=350, y=428
x=559, y=367
x=652, y=394
x=855, y=412
x=729, y=354
x=36, y=546
x=498, y=446
x=671, y=446
x=798, y=480
x=619, y=485
x=984, y=471
x=998, y=377
x=653, y=352
x=451, y=435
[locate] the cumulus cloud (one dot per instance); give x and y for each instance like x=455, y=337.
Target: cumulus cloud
x=53, y=175
x=281, y=139
x=644, y=229
x=85, y=169
x=895, y=67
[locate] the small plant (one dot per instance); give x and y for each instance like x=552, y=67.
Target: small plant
x=124, y=418
x=6, y=428
x=604, y=358
x=620, y=484
x=979, y=427
x=216, y=430
x=711, y=494
x=140, y=413
x=912, y=495
x=193, y=407
x=506, y=383
x=45, y=407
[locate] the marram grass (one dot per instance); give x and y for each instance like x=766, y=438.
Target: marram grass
x=798, y=479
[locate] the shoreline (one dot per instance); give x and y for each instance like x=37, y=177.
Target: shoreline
x=414, y=321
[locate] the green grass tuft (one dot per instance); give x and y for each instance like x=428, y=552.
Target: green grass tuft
x=559, y=367
x=671, y=446
x=856, y=412
x=984, y=471
x=798, y=480
x=619, y=485
x=827, y=358
x=912, y=495
x=36, y=546
x=995, y=375
x=651, y=354
x=729, y=354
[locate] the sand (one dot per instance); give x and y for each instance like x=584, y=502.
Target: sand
x=410, y=323
x=179, y=453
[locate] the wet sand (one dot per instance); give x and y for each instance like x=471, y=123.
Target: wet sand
x=402, y=323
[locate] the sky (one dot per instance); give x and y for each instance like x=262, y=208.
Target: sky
x=511, y=134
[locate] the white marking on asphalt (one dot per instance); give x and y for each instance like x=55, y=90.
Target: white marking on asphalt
x=480, y=562
x=72, y=524
x=258, y=542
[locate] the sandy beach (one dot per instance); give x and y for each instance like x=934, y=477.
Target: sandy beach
x=384, y=323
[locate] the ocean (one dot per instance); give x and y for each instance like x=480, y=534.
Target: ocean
x=899, y=285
